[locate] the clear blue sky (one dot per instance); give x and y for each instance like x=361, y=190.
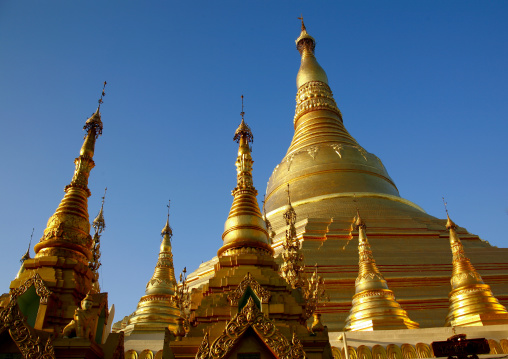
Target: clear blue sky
x=421, y=84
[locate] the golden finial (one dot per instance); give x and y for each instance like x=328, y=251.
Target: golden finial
x=449, y=222
x=94, y=122
x=303, y=25
x=242, y=113
x=167, y=229
x=243, y=130
x=358, y=221
x=27, y=253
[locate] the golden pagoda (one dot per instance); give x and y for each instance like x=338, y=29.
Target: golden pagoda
x=247, y=308
x=65, y=250
x=471, y=300
x=52, y=309
x=157, y=309
x=374, y=305
x=327, y=169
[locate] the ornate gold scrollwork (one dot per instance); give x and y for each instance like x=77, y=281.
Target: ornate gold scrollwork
x=250, y=316
x=40, y=288
x=249, y=281
x=29, y=343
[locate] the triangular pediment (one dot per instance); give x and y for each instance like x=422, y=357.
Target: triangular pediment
x=249, y=281
x=251, y=317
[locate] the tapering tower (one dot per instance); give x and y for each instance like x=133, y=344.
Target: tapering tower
x=331, y=175
x=246, y=306
x=65, y=249
x=245, y=227
x=157, y=309
x=471, y=300
x=374, y=305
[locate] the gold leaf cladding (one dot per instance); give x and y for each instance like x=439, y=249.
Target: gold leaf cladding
x=250, y=316
x=249, y=281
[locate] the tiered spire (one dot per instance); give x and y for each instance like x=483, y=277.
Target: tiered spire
x=68, y=231
x=157, y=308
x=293, y=266
x=245, y=226
x=471, y=300
x=374, y=305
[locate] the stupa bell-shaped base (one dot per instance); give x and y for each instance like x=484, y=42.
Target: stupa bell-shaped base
x=377, y=310
x=475, y=306
x=154, y=314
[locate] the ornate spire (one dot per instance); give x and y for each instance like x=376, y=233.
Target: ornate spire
x=67, y=233
x=157, y=309
x=374, y=306
x=471, y=300
x=163, y=280
x=245, y=226
x=293, y=266
x=99, y=225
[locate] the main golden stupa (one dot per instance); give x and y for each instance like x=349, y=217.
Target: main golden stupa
x=331, y=176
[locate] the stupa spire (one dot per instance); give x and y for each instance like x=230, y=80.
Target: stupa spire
x=374, y=306
x=68, y=231
x=245, y=227
x=157, y=309
x=471, y=300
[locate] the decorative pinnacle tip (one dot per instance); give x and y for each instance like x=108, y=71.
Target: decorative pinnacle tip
x=449, y=223
x=102, y=95
x=358, y=221
x=303, y=25
x=243, y=130
x=167, y=228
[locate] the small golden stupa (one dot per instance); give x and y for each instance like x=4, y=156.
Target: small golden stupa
x=471, y=300
x=157, y=309
x=54, y=307
x=374, y=305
